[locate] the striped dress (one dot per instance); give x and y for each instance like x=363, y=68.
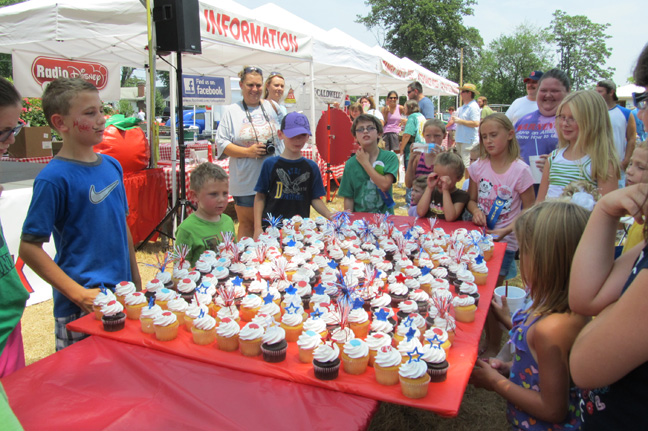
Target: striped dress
x=563, y=171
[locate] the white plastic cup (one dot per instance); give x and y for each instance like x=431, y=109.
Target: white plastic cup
x=515, y=297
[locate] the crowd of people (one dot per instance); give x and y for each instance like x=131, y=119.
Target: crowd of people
x=566, y=372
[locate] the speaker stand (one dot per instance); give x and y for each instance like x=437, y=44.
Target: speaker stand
x=179, y=208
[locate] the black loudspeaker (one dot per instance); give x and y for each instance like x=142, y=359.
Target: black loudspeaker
x=177, y=25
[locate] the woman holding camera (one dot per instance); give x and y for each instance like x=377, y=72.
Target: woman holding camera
x=246, y=134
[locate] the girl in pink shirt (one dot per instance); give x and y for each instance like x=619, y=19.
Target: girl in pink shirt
x=501, y=185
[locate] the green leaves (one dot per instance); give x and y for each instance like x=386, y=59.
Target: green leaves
x=581, y=48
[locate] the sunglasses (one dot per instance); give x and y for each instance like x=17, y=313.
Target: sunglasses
x=275, y=74
x=392, y=98
x=640, y=100
x=466, y=91
x=252, y=69
x=368, y=129
x=7, y=133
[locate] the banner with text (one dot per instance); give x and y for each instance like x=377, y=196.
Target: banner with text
x=232, y=28
x=205, y=90
x=32, y=72
x=325, y=95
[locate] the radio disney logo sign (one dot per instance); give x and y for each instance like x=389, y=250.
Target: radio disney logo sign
x=46, y=69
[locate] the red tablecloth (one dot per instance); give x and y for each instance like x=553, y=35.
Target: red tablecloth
x=443, y=398
x=101, y=384
x=165, y=149
x=44, y=160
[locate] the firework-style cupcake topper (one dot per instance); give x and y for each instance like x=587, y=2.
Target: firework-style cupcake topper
x=370, y=274
x=230, y=246
x=260, y=253
x=179, y=254
x=401, y=245
x=432, y=222
x=344, y=307
x=365, y=231
x=279, y=268
x=341, y=218
x=274, y=222
x=161, y=264
x=442, y=305
x=227, y=295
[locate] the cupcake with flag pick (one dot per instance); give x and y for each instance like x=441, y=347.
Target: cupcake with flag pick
x=203, y=329
x=103, y=297
x=148, y=315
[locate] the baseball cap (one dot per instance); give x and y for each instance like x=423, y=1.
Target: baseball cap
x=534, y=76
x=609, y=85
x=295, y=123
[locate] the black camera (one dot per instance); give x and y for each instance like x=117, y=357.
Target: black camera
x=270, y=147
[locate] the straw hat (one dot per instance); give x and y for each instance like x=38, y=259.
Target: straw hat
x=470, y=87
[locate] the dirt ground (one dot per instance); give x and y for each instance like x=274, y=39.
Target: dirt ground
x=480, y=410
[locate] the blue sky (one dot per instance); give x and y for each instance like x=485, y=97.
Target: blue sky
x=492, y=18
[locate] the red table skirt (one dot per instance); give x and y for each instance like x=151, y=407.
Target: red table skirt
x=101, y=384
x=443, y=398
x=147, y=201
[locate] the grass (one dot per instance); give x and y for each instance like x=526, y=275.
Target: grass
x=480, y=409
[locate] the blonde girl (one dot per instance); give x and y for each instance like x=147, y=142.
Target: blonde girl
x=273, y=91
x=501, y=185
x=422, y=162
x=585, y=147
x=539, y=391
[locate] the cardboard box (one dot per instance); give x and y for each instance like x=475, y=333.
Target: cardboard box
x=32, y=142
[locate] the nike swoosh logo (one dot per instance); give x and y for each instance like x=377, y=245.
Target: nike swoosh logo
x=98, y=197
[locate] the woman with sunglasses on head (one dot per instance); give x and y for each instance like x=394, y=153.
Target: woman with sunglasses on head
x=393, y=113
x=13, y=295
x=247, y=133
x=273, y=91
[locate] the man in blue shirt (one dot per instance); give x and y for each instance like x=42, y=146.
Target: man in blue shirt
x=415, y=92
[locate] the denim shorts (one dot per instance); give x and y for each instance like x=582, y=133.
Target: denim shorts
x=509, y=268
x=244, y=201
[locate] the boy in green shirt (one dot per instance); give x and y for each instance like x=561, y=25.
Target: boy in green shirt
x=369, y=175
x=203, y=230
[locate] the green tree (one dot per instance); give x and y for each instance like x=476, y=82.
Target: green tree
x=430, y=32
x=509, y=59
x=581, y=47
x=125, y=108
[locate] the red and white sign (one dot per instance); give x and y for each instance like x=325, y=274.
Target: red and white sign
x=44, y=69
x=219, y=25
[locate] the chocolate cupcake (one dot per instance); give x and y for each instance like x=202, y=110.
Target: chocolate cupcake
x=113, y=316
x=274, y=344
x=326, y=361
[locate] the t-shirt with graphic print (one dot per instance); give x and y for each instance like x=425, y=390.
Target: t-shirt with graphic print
x=289, y=186
x=506, y=188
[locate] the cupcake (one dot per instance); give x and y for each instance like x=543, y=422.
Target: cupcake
x=250, y=339
x=163, y=296
x=316, y=324
x=192, y=312
x=437, y=336
x=166, y=326
x=292, y=323
x=308, y=341
x=386, y=365
x=414, y=379
x=479, y=271
x=470, y=289
x=165, y=278
x=186, y=288
x=341, y=335
x=422, y=300
x=178, y=306
x=379, y=301
x=411, y=343
x=147, y=316
x=375, y=341
x=382, y=325
x=435, y=358
x=270, y=308
x=134, y=303
x=359, y=322
x=113, y=316
x=398, y=293
x=230, y=312
x=122, y=289
x=203, y=329
x=465, y=308
x=326, y=361
x=406, y=307
x=103, y=297
x=403, y=330
x=355, y=356
x=274, y=344
x=250, y=305
x=227, y=335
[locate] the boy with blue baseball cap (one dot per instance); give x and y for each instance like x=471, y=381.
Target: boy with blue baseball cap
x=289, y=183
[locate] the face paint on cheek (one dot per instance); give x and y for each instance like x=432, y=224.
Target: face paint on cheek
x=81, y=127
